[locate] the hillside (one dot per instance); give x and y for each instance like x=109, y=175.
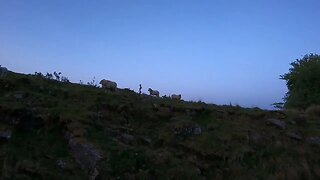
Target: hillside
x=57, y=130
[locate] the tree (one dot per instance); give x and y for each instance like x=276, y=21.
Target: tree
x=303, y=82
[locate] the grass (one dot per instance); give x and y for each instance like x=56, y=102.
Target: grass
x=221, y=151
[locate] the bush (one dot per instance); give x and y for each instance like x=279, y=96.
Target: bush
x=93, y=83
x=303, y=82
x=313, y=110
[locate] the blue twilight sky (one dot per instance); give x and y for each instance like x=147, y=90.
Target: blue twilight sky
x=217, y=51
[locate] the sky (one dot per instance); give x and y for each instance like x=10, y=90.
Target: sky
x=216, y=51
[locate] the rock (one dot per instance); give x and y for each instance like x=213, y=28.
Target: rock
x=5, y=135
x=94, y=174
x=20, y=95
x=292, y=122
x=259, y=138
x=315, y=140
x=85, y=155
x=186, y=128
x=295, y=135
x=277, y=123
x=76, y=129
x=197, y=130
x=62, y=163
x=145, y=141
x=127, y=138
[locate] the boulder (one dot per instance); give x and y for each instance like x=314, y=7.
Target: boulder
x=185, y=127
x=295, y=135
x=5, y=135
x=259, y=138
x=86, y=155
x=197, y=130
x=62, y=163
x=280, y=124
x=144, y=141
x=127, y=138
x=315, y=140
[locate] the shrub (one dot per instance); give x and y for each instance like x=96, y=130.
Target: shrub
x=303, y=82
x=313, y=110
x=93, y=83
x=64, y=79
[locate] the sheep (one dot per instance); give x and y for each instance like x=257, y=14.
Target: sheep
x=153, y=92
x=3, y=72
x=108, y=85
x=176, y=97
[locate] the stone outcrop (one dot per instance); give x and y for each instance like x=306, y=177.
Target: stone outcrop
x=86, y=155
x=280, y=124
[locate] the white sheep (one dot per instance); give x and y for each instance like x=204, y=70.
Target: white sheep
x=176, y=97
x=109, y=85
x=153, y=92
x=3, y=72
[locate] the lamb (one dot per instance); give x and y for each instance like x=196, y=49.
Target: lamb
x=3, y=72
x=108, y=85
x=176, y=97
x=153, y=92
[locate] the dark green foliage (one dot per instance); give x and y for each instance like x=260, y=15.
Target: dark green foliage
x=303, y=82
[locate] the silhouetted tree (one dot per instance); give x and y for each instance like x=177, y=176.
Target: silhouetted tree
x=303, y=82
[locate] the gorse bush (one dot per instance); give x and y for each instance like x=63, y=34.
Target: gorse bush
x=303, y=82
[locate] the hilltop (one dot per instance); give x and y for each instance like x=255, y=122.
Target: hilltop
x=59, y=130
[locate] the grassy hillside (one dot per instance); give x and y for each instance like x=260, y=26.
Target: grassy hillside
x=56, y=130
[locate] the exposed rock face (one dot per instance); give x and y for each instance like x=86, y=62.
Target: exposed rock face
x=280, y=124
x=85, y=155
